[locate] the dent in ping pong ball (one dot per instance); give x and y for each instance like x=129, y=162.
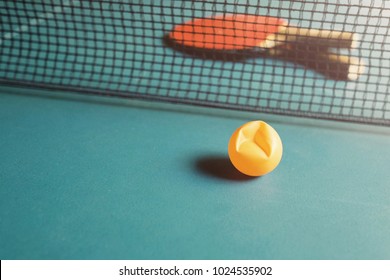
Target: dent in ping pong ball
x=255, y=148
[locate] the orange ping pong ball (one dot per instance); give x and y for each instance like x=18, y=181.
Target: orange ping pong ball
x=255, y=148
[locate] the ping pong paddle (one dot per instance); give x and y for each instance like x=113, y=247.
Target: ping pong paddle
x=238, y=32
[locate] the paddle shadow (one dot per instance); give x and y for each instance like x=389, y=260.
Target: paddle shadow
x=227, y=56
x=301, y=55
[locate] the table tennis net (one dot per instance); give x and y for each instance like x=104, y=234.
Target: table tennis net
x=123, y=49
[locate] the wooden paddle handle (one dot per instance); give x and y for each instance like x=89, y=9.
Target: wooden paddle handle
x=315, y=37
x=331, y=65
x=329, y=38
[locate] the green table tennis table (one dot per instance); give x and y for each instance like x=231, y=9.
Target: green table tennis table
x=84, y=176
x=117, y=179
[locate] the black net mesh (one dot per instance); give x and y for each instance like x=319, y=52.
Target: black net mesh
x=123, y=48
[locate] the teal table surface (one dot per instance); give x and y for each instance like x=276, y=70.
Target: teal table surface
x=84, y=177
